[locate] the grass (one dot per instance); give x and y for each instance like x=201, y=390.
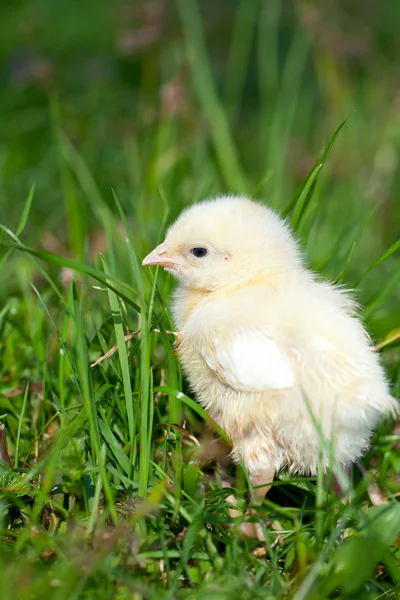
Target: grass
x=116, y=486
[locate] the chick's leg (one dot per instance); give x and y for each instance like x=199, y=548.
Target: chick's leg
x=260, y=479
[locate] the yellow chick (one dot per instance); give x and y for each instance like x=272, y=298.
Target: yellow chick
x=269, y=349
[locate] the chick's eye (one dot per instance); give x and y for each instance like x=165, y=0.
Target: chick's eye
x=199, y=252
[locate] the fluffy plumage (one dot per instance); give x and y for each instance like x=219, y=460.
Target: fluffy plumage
x=267, y=347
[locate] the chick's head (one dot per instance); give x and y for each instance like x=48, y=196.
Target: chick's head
x=224, y=243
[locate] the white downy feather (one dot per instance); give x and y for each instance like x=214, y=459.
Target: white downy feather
x=251, y=362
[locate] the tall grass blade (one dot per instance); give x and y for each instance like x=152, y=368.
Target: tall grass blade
x=124, y=362
x=393, y=248
x=20, y=421
x=302, y=199
x=90, y=404
x=62, y=261
x=145, y=426
x=22, y=222
x=239, y=51
x=207, y=96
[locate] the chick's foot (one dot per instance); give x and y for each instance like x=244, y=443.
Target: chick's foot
x=249, y=529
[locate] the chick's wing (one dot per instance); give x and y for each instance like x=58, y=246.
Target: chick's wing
x=249, y=361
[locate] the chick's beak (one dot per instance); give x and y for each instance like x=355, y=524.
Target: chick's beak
x=160, y=256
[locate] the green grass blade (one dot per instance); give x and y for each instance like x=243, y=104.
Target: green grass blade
x=75, y=214
x=145, y=427
x=85, y=178
x=96, y=499
x=239, y=51
x=393, y=248
x=21, y=418
x=384, y=293
x=123, y=360
x=66, y=353
x=174, y=400
x=19, y=246
x=62, y=261
x=356, y=558
x=90, y=404
x=305, y=197
x=22, y=222
x=26, y=210
x=301, y=201
x=115, y=448
x=206, y=94
x=268, y=62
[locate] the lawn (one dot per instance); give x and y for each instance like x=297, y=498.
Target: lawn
x=114, y=116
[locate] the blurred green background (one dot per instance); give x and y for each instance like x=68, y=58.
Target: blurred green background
x=128, y=85
x=162, y=102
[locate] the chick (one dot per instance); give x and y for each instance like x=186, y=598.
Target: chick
x=277, y=357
